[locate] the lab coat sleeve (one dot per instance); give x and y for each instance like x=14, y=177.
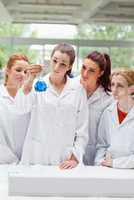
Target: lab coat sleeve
x=81, y=138
x=6, y=154
x=125, y=162
x=102, y=140
x=24, y=103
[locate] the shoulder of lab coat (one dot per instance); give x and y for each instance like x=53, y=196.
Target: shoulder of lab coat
x=100, y=95
x=3, y=91
x=5, y=95
x=103, y=136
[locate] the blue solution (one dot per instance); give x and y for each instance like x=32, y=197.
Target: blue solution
x=40, y=86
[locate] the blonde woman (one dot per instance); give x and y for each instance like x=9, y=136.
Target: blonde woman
x=115, y=146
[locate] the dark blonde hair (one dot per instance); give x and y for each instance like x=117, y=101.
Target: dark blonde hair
x=127, y=74
x=12, y=60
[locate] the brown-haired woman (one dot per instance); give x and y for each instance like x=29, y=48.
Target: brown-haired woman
x=57, y=133
x=95, y=78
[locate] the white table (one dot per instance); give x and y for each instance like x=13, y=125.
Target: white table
x=20, y=178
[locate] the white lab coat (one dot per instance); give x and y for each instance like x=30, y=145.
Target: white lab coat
x=58, y=125
x=97, y=103
x=7, y=155
x=13, y=128
x=118, y=139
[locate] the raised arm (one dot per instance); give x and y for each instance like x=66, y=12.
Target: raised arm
x=26, y=96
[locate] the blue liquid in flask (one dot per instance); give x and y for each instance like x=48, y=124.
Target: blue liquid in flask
x=40, y=86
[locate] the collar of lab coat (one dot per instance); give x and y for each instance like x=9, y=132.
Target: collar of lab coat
x=96, y=95
x=68, y=86
x=113, y=110
x=4, y=93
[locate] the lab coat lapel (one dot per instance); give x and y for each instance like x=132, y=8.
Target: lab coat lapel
x=67, y=88
x=95, y=96
x=114, y=115
x=130, y=116
x=47, y=81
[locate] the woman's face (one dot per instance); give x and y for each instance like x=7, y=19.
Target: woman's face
x=119, y=87
x=90, y=74
x=60, y=64
x=17, y=73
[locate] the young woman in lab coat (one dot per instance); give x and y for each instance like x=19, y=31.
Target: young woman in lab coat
x=115, y=147
x=57, y=133
x=13, y=127
x=95, y=78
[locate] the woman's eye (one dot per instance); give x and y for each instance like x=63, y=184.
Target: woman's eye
x=83, y=67
x=18, y=70
x=25, y=71
x=121, y=86
x=90, y=70
x=55, y=61
x=63, y=64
